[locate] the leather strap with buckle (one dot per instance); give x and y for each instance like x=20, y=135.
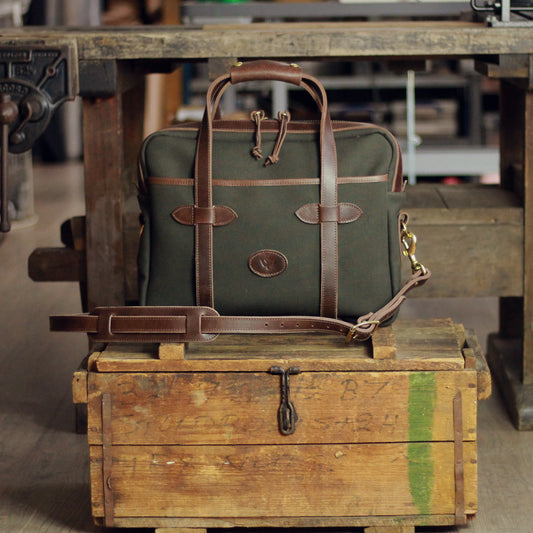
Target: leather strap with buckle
x=131, y=324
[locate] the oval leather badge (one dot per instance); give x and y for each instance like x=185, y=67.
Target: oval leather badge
x=267, y=263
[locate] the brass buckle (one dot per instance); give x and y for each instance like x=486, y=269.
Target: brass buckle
x=353, y=334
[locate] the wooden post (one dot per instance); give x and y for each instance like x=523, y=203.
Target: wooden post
x=112, y=137
x=103, y=161
x=516, y=147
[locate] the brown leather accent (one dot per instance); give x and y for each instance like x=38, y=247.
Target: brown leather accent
x=398, y=182
x=328, y=180
x=183, y=324
x=268, y=263
x=270, y=125
x=277, y=182
x=342, y=213
x=217, y=215
x=203, y=233
x=265, y=69
x=188, y=324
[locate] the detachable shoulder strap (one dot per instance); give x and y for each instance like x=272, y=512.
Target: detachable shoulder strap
x=201, y=323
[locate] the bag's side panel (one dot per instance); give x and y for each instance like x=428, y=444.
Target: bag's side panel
x=366, y=279
x=168, y=276
x=395, y=202
x=364, y=275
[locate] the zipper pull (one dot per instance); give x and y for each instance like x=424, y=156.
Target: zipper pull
x=284, y=117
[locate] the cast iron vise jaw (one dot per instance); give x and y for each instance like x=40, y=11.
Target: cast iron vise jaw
x=35, y=79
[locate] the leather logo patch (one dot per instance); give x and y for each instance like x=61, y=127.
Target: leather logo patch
x=267, y=263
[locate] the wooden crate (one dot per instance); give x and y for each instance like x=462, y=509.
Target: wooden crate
x=193, y=440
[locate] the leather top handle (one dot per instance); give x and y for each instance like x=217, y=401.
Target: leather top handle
x=267, y=70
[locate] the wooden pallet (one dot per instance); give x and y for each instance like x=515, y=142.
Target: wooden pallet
x=193, y=439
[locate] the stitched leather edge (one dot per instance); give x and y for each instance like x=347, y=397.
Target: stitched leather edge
x=267, y=270
x=280, y=182
x=342, y=213
x=217, y=215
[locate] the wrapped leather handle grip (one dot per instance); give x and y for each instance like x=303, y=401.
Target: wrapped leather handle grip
x=265, y=69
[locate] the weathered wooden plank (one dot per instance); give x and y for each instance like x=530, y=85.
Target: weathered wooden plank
x=110, y=159
x=527, y=346
x=420, y=345
x=79, y=386
x=390, y=529
x=242, y=408
x=383, y=344
x=103, y=162
x=516, y=134
x=484, y=378
x=505, y=358
x=294, y=40
x=285, y=522
x=459, y=229
x=180, y=530
x=281, y=481
x=57, y=264
x=175, y=350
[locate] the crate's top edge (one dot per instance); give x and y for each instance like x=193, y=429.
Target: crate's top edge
x=422, y=345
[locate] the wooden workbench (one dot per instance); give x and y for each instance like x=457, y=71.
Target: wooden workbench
x=493, y=258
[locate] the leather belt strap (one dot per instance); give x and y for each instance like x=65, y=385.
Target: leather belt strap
x=202, y=323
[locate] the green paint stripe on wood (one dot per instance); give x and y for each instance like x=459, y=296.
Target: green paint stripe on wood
x=421, y=408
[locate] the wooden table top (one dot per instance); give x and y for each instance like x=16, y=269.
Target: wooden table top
x=314, y=40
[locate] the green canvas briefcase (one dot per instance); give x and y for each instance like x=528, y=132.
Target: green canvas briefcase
x=259, y=221
x=315, y=233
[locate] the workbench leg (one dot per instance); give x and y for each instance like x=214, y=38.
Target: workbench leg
x=390, y=529
x=112, y=139
x=510, y=353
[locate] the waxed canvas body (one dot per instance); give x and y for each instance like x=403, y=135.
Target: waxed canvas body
x=265, y=199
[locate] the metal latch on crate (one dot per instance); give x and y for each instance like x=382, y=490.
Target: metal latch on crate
x=34, y=81
x=287, y=415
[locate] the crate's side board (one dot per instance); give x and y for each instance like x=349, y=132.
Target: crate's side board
x=284, y=481
x=285, y=522
x=242, y=408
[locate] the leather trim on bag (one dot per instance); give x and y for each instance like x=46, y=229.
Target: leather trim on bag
x=280, y=182
x=342, y=213
x=328, y=180
x=267, y=263
x=217, y=215
x=271, y=125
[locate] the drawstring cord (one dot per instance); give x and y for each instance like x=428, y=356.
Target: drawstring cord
x=284, y=118
x=257, y=117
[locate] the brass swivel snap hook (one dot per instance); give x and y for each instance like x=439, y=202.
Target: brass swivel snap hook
x=409, y=243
